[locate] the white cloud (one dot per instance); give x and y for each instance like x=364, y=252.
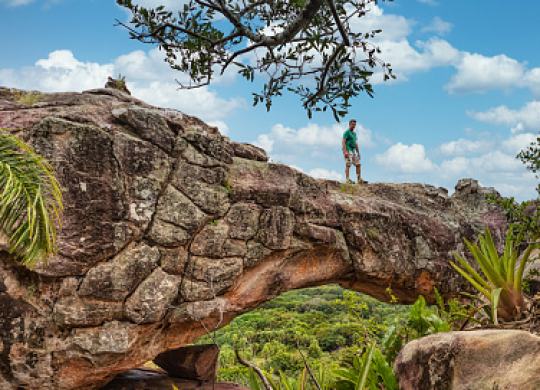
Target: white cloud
x=321, y=173
x=438, y=26
x=532, y=81
x=311, y=136
x=394, y=27
x=266, y=142
x=527, y=117
x=430, y=2
x=455, y=167
x=15, y=3
x=309, y=145
x=478, y=74
x=147, y=75
x=496, y=162
x=517, y=128
x=518, y=142
x=406, y=159
x=62, y=59
x=463, y=147
x=222, y=126
x=60, y=72
x=407, y=60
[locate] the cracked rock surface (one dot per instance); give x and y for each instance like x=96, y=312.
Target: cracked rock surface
x=168, y=224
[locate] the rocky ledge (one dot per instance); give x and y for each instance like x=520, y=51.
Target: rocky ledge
x=168, y=226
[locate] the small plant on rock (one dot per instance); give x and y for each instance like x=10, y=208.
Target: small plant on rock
x=120, y=82
x=28, y=98
x=502, y=281
x=225, y=183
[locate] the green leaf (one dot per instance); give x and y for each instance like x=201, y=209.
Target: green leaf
x=495, y=295
x=30, y=202
x=365, y=369
x=253, y=382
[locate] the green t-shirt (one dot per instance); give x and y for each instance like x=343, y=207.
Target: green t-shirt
x=350, y=137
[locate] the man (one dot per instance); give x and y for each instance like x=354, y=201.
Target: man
x=349, y=147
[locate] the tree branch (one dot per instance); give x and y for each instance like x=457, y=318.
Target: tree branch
x=239, y=52
x=307, y=366
x=255, y=368
x=342, y=31
x=154, y=33
x=320, y=88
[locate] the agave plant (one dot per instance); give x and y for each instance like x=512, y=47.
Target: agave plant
x=356, y=377
x=30, y=201
x=502, y=281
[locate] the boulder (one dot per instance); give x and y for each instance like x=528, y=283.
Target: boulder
x=197, y=362
x=474, y=360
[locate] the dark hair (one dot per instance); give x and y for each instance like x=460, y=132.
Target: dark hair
x=352, y=120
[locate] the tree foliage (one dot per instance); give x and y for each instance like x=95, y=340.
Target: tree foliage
x=525, y=216
x=30, y=201
x=308, y=47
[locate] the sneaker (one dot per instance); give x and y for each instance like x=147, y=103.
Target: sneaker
x=362, y=181
x=349, y=182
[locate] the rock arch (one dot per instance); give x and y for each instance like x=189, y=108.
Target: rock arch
x=167, y=224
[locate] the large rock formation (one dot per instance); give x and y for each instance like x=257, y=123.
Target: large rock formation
x=478, y=360
x=167, y=225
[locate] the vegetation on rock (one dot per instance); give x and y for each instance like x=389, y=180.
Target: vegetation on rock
x=30, y=201
x=502, y=284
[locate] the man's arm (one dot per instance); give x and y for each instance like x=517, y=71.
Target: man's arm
x=344, y=148
x=357, y=150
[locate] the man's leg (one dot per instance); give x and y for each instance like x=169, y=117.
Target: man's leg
x=358, y=171
x=346, y=173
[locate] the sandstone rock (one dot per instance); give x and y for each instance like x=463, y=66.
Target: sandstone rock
x=197, y=310
x=162, y=212
x=487, y=359
x=197, y=362
x=276, y=227
x=168, y=234
x=255, y=252
x=211, y=198
x=206, y=278
x=244, y=220
x=152, y=298
x=175, y=208
x=113, y=337
x=148, y=124
x=116, y=279
x=193, y=156
x=234, y=248
x=211, y=240
x=185, y=170
x=146, y=168
x=74, y=311
x=248, y=151
x=83, y=158
x=210, y=144
x=173, y=261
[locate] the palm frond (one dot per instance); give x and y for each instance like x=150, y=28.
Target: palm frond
x=30, y=201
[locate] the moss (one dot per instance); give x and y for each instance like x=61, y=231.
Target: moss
x=373, y=233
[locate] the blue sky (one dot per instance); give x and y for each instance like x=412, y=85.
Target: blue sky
x=466, y=98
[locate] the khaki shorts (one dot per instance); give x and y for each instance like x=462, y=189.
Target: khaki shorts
x=353, y=159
